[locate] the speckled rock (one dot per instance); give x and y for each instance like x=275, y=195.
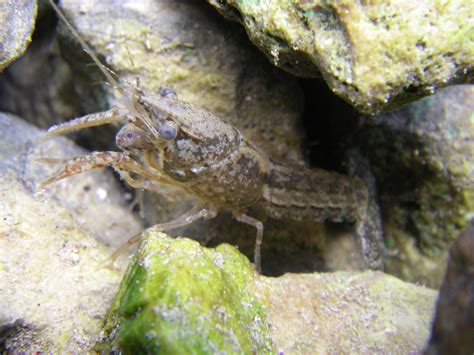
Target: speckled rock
x=178, y=296
x=341, y=312
x=422, y=157
x=53, y=289
x=17, y=19
x=375, y=55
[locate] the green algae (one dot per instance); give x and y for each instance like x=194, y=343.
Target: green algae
x=180, y=297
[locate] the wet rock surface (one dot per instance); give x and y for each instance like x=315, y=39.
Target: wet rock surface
x=454, y=320
x=376, y=56
x=178, y=296
x=340, y=312
x=53, y=289
x=18, y=20
x=422, y=157
x=40, y=86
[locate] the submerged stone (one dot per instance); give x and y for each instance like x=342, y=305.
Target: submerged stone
x=423, y=159
x=453, y=325
x=177, y=296
x=180, y=297
x=54, y=291
x=376, y=55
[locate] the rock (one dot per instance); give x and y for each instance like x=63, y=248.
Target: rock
x=178, y=296
x=18, y=20
x=40, y=86
x=422, y=157
x=453, y=326
x=377, y=56
x=97, y=202
x=54, y=291
x=368, y=312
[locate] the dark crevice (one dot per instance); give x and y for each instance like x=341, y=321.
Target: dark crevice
x=328, y=122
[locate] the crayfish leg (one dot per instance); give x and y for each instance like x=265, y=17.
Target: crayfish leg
x=92, y=120
x=98, y=160
x=258, y=240
x=194, y=214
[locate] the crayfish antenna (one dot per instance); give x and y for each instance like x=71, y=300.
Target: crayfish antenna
x=109, y=73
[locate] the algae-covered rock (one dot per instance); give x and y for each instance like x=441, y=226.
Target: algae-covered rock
x=54, y=291
x=375, y=55
x=180, y=297
x=17, y=20
x=423, y=160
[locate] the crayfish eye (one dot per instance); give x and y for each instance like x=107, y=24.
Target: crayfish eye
x=167, y=131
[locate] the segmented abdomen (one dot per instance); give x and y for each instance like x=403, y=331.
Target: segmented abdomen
x=301, y=193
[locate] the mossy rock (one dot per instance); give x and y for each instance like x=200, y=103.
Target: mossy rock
x=376, y=55
x=179, y=297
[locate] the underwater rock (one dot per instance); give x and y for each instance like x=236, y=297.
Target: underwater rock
x=423, y=160
x=17, y=19
x=453, y=327
x=39, y=86
x=178, y=296
x=375, y=55
x=54, y=291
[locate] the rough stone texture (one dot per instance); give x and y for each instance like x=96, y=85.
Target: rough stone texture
x=179, y=297
x=422, y=157
x=453, y=327
x=17, y=19
x=376, y=55
x=53, y=289
x=218, y=303
x=340, y=312
x=41, y=88
x=38, y=86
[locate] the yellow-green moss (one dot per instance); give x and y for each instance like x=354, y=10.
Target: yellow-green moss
x=180, y=297
x=369, y=53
